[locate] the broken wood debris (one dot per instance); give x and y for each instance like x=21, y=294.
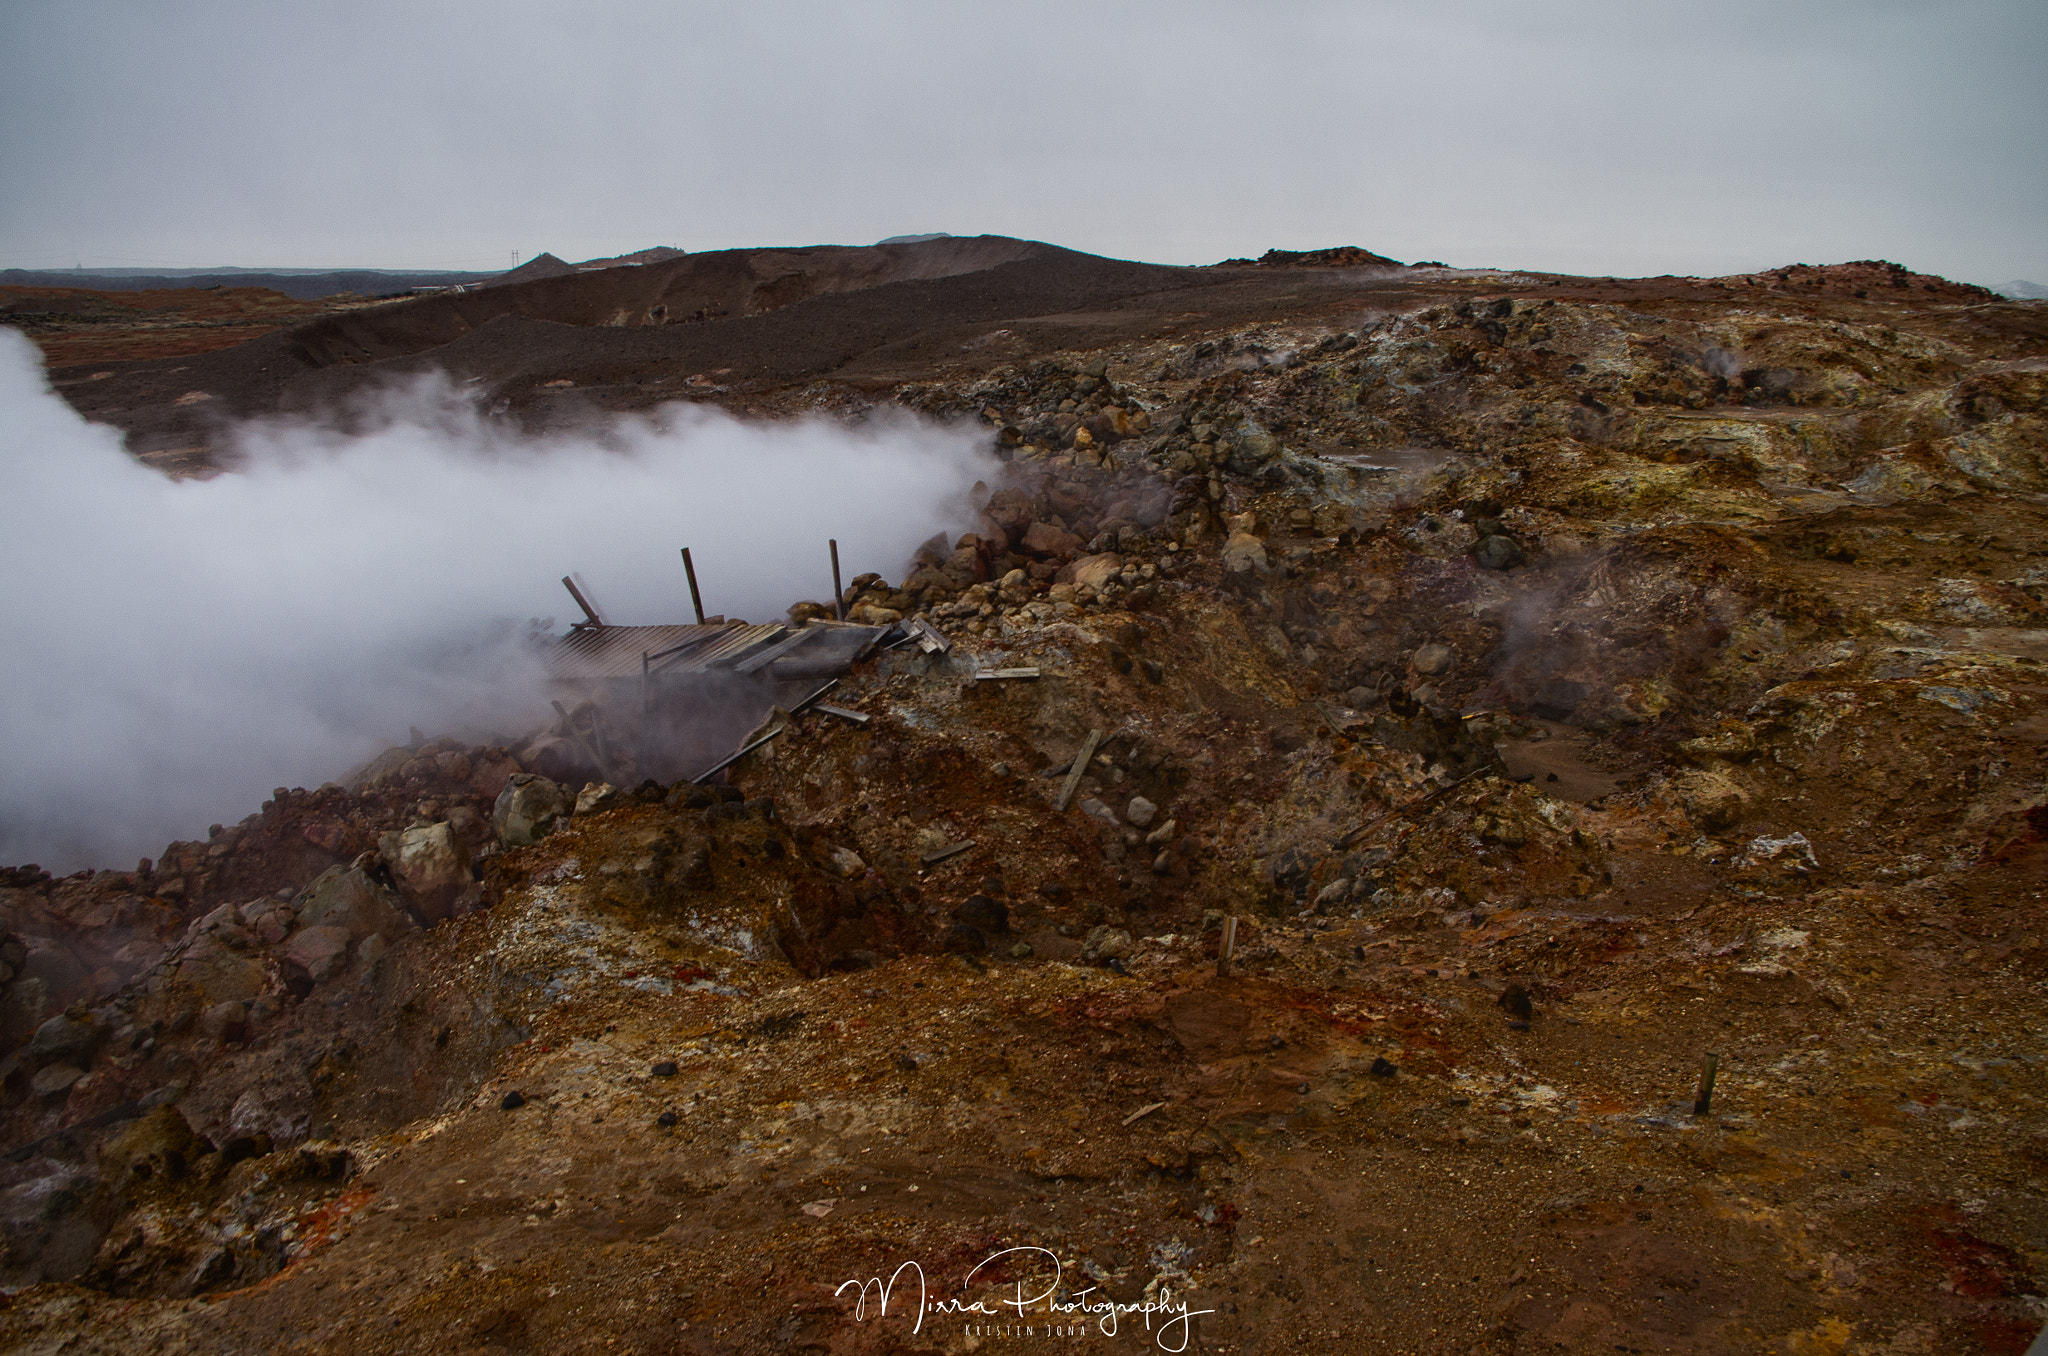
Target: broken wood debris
x=1142, y=1112
x=928, y=637
x=1358, y=834
x=1080, y=766
x=1226, y=947
x=950, y=850
x=1000, y=675
x=857, y=717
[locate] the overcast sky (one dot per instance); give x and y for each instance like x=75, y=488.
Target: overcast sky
x=1628, y=138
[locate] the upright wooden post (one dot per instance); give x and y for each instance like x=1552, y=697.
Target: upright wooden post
x=696, y=598
x=838, y=593
x=1226, y=947
x=1703, y=1101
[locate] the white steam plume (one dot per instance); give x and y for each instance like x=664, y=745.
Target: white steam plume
x=174, y=649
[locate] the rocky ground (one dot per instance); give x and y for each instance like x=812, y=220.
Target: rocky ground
x=1560, y=682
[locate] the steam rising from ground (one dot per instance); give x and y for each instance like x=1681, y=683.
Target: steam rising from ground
x=174, y=649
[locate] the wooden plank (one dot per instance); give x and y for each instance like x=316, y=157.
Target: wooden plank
x=1073, y=782
x=857, y=717
x=951, y=850
x=1000, y=675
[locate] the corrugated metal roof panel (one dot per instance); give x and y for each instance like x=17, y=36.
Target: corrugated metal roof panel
x=596, y=652
x=600, y=652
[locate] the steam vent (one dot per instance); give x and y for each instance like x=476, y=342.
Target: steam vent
x=1414, y=809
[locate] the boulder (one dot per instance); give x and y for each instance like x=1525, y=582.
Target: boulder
x=320, y=951
x=594, y=798
x=1091, y=571
x=347, y=898
x=1050, y=539
x=1106, y=943
x=1499, y=552
x=489, y=773
x=55, y=1078
x=224, y=1022
x=64, y=1039
x=1433, y=660
x=159, y=1147
x=1009, y=513
x=1245, y=554
x=529, y=809
x=556, y=758
x=430, y=866
x=217, y=974
x=847, y=863
x=1140, y=812
x=1711, y=800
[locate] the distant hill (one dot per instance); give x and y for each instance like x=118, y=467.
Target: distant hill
x=542, y=265
x=2021, y=290
x=304, y=286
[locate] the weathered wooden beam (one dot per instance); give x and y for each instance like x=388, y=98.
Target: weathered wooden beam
x=1073, y=781
x=582, y=602
x=696, y=598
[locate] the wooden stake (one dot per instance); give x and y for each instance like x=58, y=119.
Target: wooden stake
x=1704, y=1101
x=838, y=593
x=696, y=598
x=1226, y=947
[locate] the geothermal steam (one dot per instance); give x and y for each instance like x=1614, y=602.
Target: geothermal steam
x=177, y=648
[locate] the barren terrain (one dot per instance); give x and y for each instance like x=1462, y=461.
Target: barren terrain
x=1559, y=681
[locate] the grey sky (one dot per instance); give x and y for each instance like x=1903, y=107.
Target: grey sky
x=1630, y=137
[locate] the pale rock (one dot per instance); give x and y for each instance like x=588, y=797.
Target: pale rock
x=1245, y=554
x=1140, y=812
x=1432, y=660
x=1091, y=571
x=529, y=809
x=1105, y=943
x=430, y=866
x=591, y=799
x=1711, y=800
x=847, y=863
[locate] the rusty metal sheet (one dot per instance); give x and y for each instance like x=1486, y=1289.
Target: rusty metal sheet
x=599, y=652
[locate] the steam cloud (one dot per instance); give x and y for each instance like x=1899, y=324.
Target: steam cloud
x=177, y=648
